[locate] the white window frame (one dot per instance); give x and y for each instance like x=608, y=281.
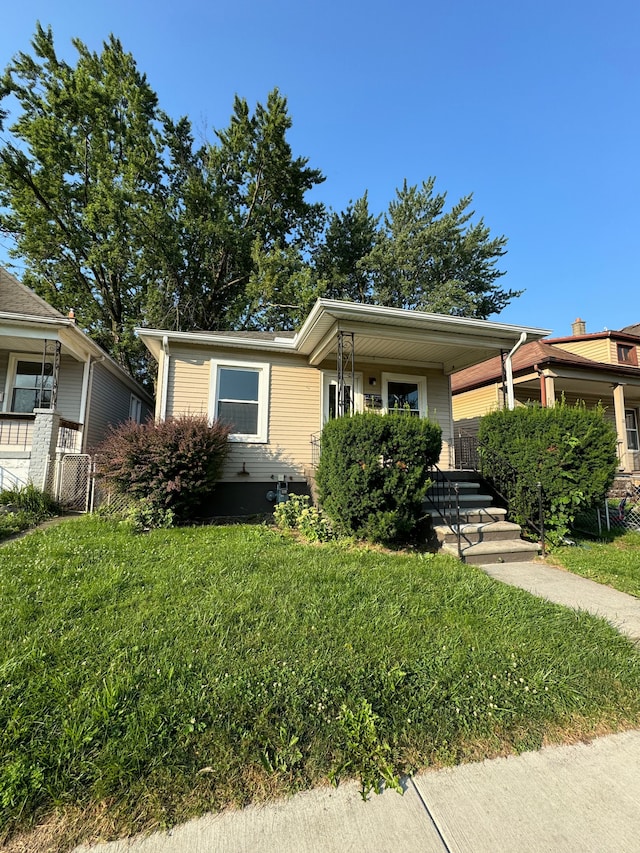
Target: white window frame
x=264, y=371
x=633, y=430
x=12, y=366
x=420, y=381
x=135, y=408
x=329, y=380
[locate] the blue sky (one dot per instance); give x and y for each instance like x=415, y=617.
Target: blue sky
x=532, y=106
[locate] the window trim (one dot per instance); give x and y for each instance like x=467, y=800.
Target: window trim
x=135, y=408
x=12, y=368
x=634, y=429
x=264, y=371
x=629, y=350
x=420, y=381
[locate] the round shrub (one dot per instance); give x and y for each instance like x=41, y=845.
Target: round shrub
x=374, y=474
x=569, y=450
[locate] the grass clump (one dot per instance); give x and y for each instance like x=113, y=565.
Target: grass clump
x=21, y=509
x=192, y=668
x=615, y=563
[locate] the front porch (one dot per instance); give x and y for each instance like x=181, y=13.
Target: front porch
x=30, y=441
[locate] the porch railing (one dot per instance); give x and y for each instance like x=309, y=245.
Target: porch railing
x=16, y=430
x=445, y=493
x=315, y=449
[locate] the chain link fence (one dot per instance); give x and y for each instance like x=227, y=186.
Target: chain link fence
x=618, y=516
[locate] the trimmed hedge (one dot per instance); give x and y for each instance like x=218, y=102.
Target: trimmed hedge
x=374, y=473
x=170, y=465
x=570, y=450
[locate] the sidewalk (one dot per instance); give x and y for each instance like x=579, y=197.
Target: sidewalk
x=571, y=799
x=563, y=587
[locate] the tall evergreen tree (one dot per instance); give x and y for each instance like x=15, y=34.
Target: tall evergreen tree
x=339, y=261
x=429, y=259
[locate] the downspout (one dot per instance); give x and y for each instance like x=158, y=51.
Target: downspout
x=165, y=377
x=511, y=402
x=543, y=386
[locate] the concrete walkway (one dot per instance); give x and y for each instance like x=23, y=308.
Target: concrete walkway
x=571, y=799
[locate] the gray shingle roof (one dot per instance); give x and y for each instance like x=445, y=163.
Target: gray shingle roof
x=16, y=298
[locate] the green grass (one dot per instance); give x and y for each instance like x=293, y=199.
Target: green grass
x=153, y=677
x=615, y=563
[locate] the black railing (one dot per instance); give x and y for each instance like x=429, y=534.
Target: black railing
x=444, y=492
x=466, y=452
x=315, y=449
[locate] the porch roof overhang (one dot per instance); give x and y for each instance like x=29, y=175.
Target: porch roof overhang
x=23, y=333
x=595, y=382
x=381, y=334
x=26, y=333
x=396, y=335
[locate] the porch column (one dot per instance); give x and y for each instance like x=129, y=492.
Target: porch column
x=550, y=387
x=43, y=447
x=621, y=426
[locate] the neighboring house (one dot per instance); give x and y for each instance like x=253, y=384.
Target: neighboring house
x=59, y=391
x=278, y=389
x=601, y=367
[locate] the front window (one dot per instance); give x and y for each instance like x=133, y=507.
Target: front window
x=32, y=386
x=240, y=399
x=404, y=394
x=403, y=398
x=631, y=422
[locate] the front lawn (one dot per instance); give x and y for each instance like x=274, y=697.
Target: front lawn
x=615, y=563
x=148, y=678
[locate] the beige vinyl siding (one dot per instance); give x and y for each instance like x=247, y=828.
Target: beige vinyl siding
x=294, y=414
x=597, y=350
x=188, y=382
x=471, y=405
x=294, y=411
x=109, y=401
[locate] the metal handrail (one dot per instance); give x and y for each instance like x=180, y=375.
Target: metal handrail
x=446, y=491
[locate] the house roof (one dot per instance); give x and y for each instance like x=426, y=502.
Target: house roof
x=21, y=309
x=381, y=334
x=16, y=298
x=526, y=359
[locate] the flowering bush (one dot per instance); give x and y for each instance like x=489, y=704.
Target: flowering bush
x=297, y=513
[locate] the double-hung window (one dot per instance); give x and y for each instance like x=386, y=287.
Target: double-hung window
x=31, y=384
x=239, y=397
x=631, y=422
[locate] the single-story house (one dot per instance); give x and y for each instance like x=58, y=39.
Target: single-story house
x=601, y=367
x=59, y=391
x=277, y=389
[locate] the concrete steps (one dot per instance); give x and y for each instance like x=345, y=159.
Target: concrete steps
x=485, y=535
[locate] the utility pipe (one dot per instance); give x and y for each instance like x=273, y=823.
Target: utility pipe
x=508, y=369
